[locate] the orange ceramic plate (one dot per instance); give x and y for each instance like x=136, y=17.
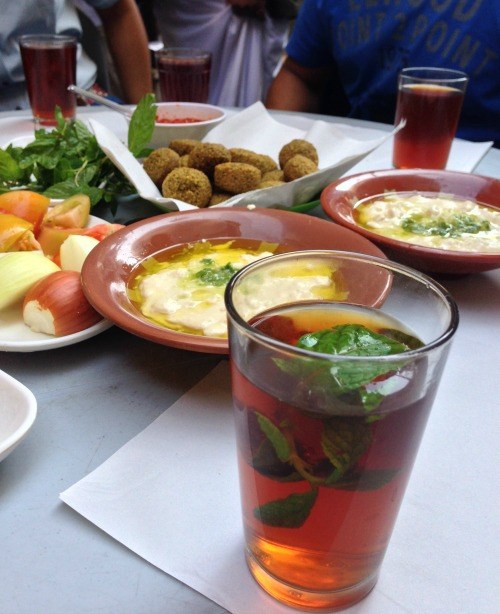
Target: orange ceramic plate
x=340, y=197
x=108, y=268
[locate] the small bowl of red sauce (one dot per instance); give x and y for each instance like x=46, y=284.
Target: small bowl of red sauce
x=184, y=120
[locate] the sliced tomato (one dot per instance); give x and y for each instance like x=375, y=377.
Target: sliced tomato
x=12, y=228
x=29, y=206
x=71, y=213
x=101, y=231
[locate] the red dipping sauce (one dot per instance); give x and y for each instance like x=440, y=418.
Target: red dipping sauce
x=165, y=119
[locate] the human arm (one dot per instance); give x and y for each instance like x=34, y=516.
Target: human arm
x=128, y=44
x=297, y=87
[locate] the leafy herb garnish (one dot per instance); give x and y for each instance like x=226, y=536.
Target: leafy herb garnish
x=141, y=126
x=343, y=442
x=289, y=513
x=213, y=275
x=453, y=226
x=344, y=439
x=350, y=340
x=347, y=380
x=68, y=160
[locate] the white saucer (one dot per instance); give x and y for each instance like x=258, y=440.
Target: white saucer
x=17, y=413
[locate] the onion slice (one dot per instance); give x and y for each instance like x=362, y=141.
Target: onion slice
x=56, y=305
x=19, y=271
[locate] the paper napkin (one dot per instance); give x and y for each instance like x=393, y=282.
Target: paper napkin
x=171, y=495
x=340, y=146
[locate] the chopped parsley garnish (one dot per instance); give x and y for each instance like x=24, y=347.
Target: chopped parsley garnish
x=453, y=226
x=213, y=275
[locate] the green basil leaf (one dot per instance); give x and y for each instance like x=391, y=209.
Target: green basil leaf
x=351, y=340
x=68, y=188
x=142, y=124
x=275, y=436
x=266, y=462
x=366, y=480
x=344, y=441
x=289, y=513
x=412, y=343
x=9, y=168
x=346, y=377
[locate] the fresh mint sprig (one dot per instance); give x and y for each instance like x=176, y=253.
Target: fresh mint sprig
x=141, y=126
x=344, y=439
x=68, y=160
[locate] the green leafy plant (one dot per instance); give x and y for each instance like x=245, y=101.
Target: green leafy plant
x=141, y=126
x=68, y=160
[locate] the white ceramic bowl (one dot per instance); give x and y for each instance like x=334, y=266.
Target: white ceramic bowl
x=17, y=413
x=208, y=115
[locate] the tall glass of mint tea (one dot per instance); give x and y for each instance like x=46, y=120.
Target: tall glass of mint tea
x=429, y=102
x=335, y=362
x=49, y=63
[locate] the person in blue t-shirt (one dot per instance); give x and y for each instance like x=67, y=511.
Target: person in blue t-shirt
x=344, y=56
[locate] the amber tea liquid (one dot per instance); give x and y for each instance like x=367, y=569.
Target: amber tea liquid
x=431, y=113
x=49, y=69
x=184, y=79
x=323, y=535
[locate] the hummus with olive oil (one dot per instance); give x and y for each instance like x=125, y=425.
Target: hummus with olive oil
x=432, y=220
x=186, y=293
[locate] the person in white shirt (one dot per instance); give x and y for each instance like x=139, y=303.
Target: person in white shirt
x=246, y=43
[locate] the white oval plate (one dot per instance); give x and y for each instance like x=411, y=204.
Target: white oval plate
x=15, y=336
x=17, y=413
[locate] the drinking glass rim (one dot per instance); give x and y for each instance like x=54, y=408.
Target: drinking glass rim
x=55, y=39
x=389, y=265
x=183, y=52
x=450, y=75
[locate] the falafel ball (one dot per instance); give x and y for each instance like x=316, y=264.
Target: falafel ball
x=189, y=185
x=298, y=166
x=159, y=163
x=297, y=146
x=276, y=175
x=218, y=197
x=261, y=161
x=184, y=160
x=236, y=177
x=183, y=146
x=205, y=157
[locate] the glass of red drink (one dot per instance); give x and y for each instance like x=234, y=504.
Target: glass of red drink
x=331, y=395
x=49, y=62
x=184, y=74
x=429, y=102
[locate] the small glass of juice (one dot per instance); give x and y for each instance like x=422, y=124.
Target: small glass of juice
x=429, y=103
x=49, y=62
x=332, y=387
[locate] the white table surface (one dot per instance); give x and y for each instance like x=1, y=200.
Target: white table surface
x=95, y=396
